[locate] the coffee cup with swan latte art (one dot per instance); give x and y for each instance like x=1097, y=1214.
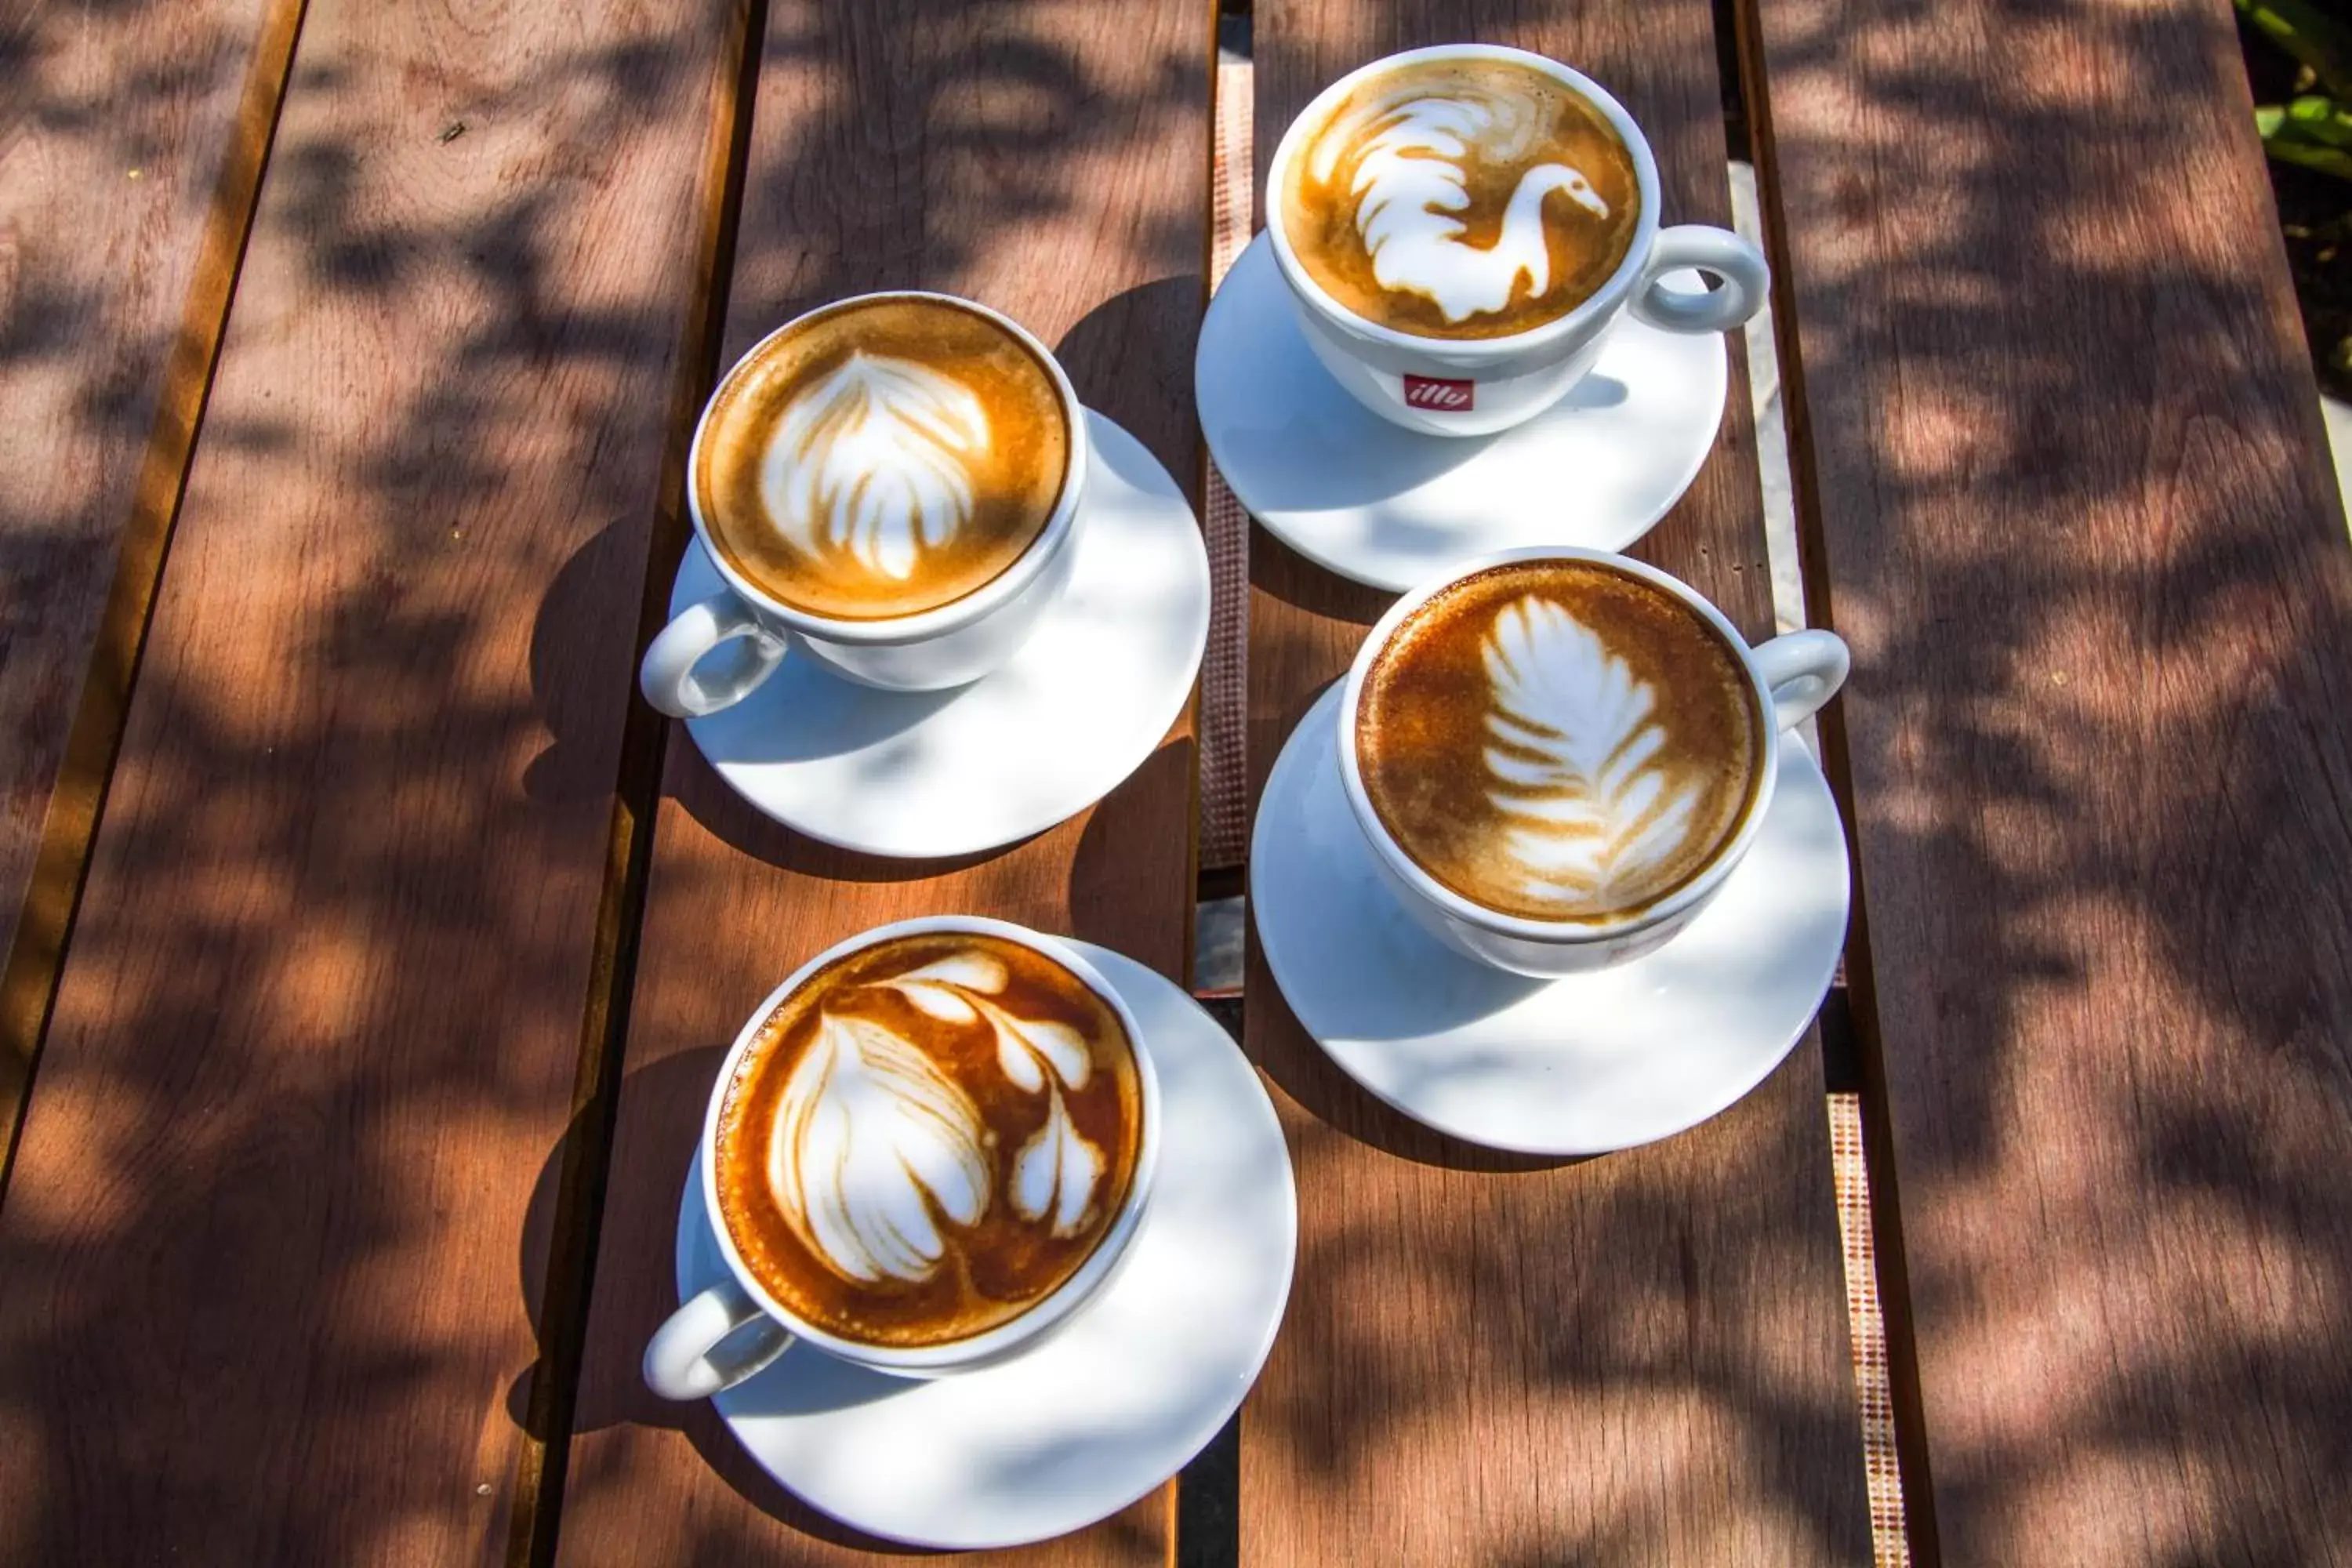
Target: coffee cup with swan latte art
x=929, y=1147
x=1558, y=757
x=1461, y=227
x=890, y=484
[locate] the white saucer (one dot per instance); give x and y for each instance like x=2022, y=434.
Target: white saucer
x=1111, y=1405
x=1053, y=731
x=1578, y=1066
x=1393, y=508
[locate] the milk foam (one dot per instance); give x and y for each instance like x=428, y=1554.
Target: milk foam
x=1413, y=156
x=872, y=1147
x=1574, y=770
x=878, y=1155
x=877, y=458
x=1558, y=739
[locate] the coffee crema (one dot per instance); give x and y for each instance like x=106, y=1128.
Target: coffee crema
x=1460, y=199
x=928, y=1138
x=882, y=459
x=1559, y=740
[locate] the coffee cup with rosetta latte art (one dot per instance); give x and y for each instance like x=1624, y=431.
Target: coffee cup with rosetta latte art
x=890, y=485
x=1459, y=228
x=1558, y=756
x=929, y=1146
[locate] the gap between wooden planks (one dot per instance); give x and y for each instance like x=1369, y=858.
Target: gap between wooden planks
x=199, y=268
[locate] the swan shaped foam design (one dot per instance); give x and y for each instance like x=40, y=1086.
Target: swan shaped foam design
x=872, y=1147
x=1412, y=156
x=875, y=458
x=1573, y=772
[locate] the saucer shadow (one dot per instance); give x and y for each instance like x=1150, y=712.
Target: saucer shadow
x=698, y=790
x=1277, y=570
x=1279, y=1043
x=1130, y=358
x=635, y=1276
x=577, y=658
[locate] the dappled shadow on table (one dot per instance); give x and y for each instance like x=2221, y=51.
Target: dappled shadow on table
x=1045, y=160
x=2078, y=527
x=322, y=1009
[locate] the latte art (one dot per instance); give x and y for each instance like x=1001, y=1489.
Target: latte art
x=1462, y=197
x=1574, y=769
x=882, y=457
x=928, y=1137
x=1558, y=739
x=876, y=459
x=875, y=1151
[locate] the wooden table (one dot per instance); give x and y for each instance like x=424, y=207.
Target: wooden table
x=370, y=948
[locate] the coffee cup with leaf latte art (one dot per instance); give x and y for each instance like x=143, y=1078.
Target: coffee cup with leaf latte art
x=929, y=1146
x=1461, y=227
x=890, y=484
x=1558, y=756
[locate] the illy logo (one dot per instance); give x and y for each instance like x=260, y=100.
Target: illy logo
x=1434, y=392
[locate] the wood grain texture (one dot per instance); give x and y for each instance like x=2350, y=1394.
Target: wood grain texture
x=1495, y=1361
x=1049, y=159
x=2069, y=500
x=132, y=142
x=268, y=1244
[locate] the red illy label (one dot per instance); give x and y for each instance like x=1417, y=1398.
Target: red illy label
x=1439, y=394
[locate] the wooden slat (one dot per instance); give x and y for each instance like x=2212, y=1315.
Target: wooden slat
x=1051, y=160
x=131, y=144
x=1489, y=1361
x=2068, y=498
x=269, y=1277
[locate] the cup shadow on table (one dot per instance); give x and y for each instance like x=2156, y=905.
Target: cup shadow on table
x=572, y=633
x=635, y=1290
x=1130, y=360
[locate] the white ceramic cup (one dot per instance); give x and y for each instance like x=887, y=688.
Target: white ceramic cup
x=681, y=1360
x=1792, y=676
x=951, y=644
x=1477, y=386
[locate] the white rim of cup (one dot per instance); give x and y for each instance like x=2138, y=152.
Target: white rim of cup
x=923, y=624
x=1600, y=302
x=1064, y=1298
x=1566, y=933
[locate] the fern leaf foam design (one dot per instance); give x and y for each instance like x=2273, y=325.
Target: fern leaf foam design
x=1572, y=769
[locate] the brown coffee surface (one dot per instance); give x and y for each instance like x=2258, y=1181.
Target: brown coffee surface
x=1558, y=740
x=882, y=459
x=1460, y=199
x=1002, y=1026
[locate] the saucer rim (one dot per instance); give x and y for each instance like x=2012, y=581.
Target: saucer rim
x=1276, y=520
x=998, y=838
x=1795, y=777
x=1121, y=972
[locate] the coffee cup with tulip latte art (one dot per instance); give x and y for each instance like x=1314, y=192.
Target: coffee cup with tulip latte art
x=1554, y=739
x=1460, y=197
x=882, y=459
x=928, y=1138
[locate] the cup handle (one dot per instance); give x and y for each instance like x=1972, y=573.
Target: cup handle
x=678, y=1358
x=1803, y=670
x=1739, y=265
x=670, y=678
